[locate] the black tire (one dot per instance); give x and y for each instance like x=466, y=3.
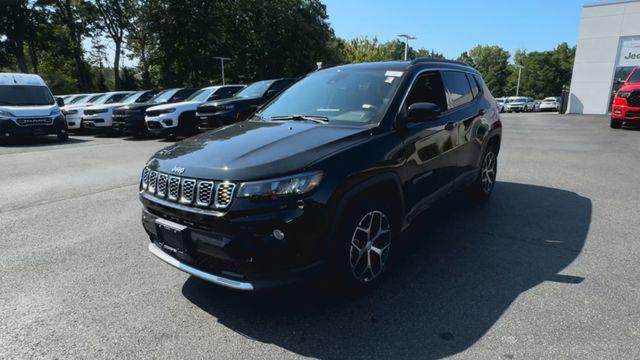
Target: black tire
x=353, y=270
x=481, y=189
x=616, y=124
x=63, y=136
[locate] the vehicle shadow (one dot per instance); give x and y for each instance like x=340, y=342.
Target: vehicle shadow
x=462, y=266
x=50, y=140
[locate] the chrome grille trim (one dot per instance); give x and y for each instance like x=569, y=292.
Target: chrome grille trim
x=205, y=190
x=153, y=177
x=174, y=188
x=145, y=178
x=188, y=190
x=224, y=194
x=161, y=190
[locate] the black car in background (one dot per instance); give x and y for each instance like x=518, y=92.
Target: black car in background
x=324, y=177
x=213, y=114
x=129, y=119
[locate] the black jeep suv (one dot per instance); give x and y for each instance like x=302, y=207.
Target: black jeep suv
x=325, y=176
x=129, y=119
x=213, y=114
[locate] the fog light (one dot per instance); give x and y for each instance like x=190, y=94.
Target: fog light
x=168, y=122
x=278, y=234
x=617, y=112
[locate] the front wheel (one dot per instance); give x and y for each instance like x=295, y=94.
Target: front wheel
x=363, y=246
x=63, y=136
x=616, y=124
x=482, y=187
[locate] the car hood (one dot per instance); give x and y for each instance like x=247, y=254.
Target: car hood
x=182, y=106
x=28, y=111
x=252, y=150
x=104, y=106
x=517, y=103
x=138, y=106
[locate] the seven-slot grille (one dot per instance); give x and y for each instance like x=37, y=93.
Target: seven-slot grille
x=634, y=98
x=34, y=121
x=201, y=193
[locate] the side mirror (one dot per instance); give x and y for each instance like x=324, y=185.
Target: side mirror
x=60, y=102
x=418, y=112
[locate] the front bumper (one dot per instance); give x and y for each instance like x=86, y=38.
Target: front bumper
x=626, y=113
x=9, y=128
x=240, y=252
x=74, y=121
x=102, y=121
x=158, y=124
x=129, y=124
x=516, y=108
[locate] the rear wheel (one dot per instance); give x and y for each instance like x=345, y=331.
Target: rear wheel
x=363, y=246
x=63, y=136
x=482, y=187
x=615, y=123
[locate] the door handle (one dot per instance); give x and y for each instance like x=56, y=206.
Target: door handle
x=450, y=125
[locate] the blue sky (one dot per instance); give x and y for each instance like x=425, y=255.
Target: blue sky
x=453, y=26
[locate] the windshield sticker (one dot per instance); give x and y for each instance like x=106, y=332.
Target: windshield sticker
x=393, y=73
x=389, y=79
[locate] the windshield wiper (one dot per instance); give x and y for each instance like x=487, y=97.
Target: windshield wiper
x=314, y=118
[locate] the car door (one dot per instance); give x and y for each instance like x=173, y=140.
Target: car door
x=427, y=143
x=464, y=111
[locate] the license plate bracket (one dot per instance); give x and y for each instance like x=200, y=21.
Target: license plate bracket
x=172, y=235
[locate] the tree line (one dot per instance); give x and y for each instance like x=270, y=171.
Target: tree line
x=81, y=45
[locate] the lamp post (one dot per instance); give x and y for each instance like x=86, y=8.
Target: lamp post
x=222, y=59
x=520, y=67
x=406, y=43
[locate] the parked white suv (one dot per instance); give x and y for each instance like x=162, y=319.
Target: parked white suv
x=100, y=116
x=73, y=112
x=550, y=104
x=27, y=107
x=179, y=118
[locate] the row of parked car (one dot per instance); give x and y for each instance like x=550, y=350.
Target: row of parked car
x=527, y=104
x=170, y=112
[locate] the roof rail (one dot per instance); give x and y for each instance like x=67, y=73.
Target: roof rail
x=421, y=60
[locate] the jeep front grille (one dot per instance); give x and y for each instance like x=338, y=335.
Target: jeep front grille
x=34, y=121
x=200, y=193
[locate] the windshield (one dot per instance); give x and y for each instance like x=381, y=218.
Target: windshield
x=635, y=77
x=78, y=99
x=132, y=98
x=200, y=95
x=25, y=95
x=549, y=99
x=342, y=96
x=256, y=89
x=518, y=99
x=164, y=96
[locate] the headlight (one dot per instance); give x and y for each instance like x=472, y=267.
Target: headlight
x=6, y=114
x=226, y=107
x=624, y=94
x=286, y=186
x=69, y=112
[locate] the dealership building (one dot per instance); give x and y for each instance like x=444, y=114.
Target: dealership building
x=608, y=49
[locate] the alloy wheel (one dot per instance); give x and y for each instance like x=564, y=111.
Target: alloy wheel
x=488, y=174
x=370, y=246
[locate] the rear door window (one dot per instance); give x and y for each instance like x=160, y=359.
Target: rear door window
x=474, y=85
x=458, y=88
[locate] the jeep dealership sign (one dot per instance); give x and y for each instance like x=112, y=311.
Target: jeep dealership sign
x=629, y=53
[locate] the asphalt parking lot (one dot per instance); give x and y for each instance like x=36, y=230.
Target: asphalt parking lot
x=547, y=269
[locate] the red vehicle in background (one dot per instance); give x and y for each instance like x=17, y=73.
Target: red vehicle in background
x=626, y=104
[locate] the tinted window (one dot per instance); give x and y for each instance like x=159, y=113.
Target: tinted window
x=116, y=98
x=181, y=95
x=25, y=95
x=281, y=85
x=146, y=96
x=458, y=87
x=474, y=85
x=256, y=89
x=78, y=99
x=428, y=88
x=635, y=77
x=225, y=92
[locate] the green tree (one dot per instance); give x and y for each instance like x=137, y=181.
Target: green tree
x=493, y=64
x=364, y=49
x=15, y=25
x=545, y=73
x=115, y=18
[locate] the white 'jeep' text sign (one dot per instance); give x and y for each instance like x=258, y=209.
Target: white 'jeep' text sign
x=630, y=53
